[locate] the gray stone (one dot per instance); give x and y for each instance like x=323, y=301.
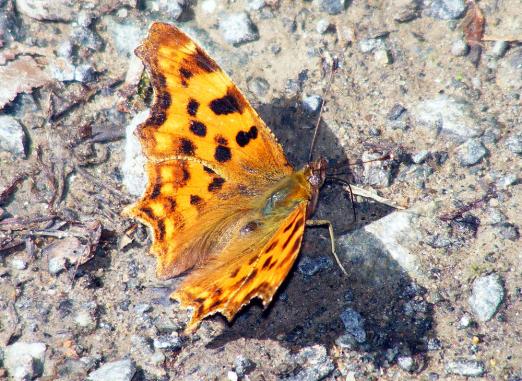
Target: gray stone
x=514, y=143
x=170, y=342
x=134, y=178
x=346, y=341
x=24, y=361
x=406, y=363
x=499, y=48
x=86, y=38
x=310, y=266
x=256, y=5
x=61, y=70
x=354, y=324
x=237, y=28
x=404, y=10
x=142, y=308
x=259, y=86
x=508, y=231
x=447, y=115
x=168, y=9
x=396, y=112
x=469, y=368
x=332, y=7
x=382, y=57
x=322, y=26
x=12, y=136
x=465, y=321
x=459, y=48
x=370, y=44
x=376, y=172
x=126, y=36
x=509, y=71
x=18, y=264
x=243, y=365
x=446, y=9
x=420, y=157
x=471, y=152
x=122, y=370
x=84, y=73
x=312, y=104
x=315, y=364
x=50, y=10
x=486, y=296
x=506, y=181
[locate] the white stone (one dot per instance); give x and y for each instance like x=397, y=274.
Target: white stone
x=486, y=296
x=122, y=370
x=12, y=136
x=24, y=360
x=134, y=177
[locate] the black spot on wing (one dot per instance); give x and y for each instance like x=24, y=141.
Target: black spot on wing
x=216, y=184
x=244, y=137
x=204, y=62
x=230, y=103
x=222, y=154
x=187, y=147
x=198, y=128
x=195, y=199
x=192, y=107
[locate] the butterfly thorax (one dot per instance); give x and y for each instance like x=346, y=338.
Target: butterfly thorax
x=300, y=186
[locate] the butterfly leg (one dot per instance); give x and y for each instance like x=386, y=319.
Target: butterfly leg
x=332, y=239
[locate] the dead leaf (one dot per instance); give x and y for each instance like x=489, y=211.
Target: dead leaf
x=20, y=76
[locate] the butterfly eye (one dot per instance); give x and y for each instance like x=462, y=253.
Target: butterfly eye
x=249, y=227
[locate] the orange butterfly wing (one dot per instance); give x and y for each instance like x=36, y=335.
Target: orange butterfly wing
x=214, y=168
x=230, y=281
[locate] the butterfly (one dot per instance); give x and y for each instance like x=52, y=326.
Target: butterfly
x=222, y=200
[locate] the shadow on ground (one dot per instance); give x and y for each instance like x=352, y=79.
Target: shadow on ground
x=307, y=309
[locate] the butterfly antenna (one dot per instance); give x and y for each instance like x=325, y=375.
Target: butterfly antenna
x=335, y=66
x=347, y=184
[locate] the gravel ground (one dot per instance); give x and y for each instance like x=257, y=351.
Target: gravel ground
x=433, y=292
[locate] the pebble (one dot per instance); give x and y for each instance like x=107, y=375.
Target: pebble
x=134, y=178
x=243, y=365
x=12, y=136
x=404, y=10
x=259, y=86
x=86, y=38
x=465, y=321
x=61, y=70
x=256, y=5
x=237, y=28
x=169, y=9
x=314, y=362
x=370, y=44
x=332, y=7
x=459, y=48
x=447, y=9
x=499, y=48
x=84, y=73
x=209, y=6
x=122, y=370
x=346, y=341
x=125, y=35
x=376, y=173
x=310, y=266
x=322, y=26
x=486, y=296
x=354, y=324
x=170, y=342
x=312, y=104
x=142, y=308
x=382, y=57
x=232, y=376
x=18, y=264
x=420, y=157
x=509, y=74
x=84, y=319
x=508, y=231
x=24, y=361
x=448, y=114
x=50, y=10
x=506, y=181
x=406, y=363
x=469, y=368
x=471, y=152
x=514, y=143
x=396, y=112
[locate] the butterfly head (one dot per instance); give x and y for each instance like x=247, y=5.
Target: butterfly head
x=316, y=175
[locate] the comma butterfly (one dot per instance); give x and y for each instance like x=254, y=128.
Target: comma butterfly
x=222, y=199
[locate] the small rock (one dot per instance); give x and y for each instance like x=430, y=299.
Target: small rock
x=259, y=86
x=310, y=266
x=434, y=344
x=66, y=250
x=382, y=57
x=486, y=296
x=84, y=319
x=18, y=264
x=312, y=104
x=24, y=361
x=170, y=9
x=508, y=231
x=134, y=178
x=471, y=152
x=396, y=112
x=376, y=173
x=208, y=6
x=237, y=28
x=459, y=48
x=406, y=363
x=509, y=71
x=420, y=157
x=346, y=341
x=322, y=26
x=446, y=9
x=12, y=136
x=122, y=370
x=243, y=365
x=465, y=321
x=232, y=376
x=469, y=368
x=332, y=7
x=354, y=324
x=404, y=10
x=256, y=5
x=87, y=38
x=447, y=114
x=514, y=144
x=126, y=36
x=65, y=49
x=371, y=44
x=315, y=364
x=61, y=70
x=84, y=73
x=50, y=10
x=170, y=342
x=142, y=308
x=506, y=181
x=499, y=48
